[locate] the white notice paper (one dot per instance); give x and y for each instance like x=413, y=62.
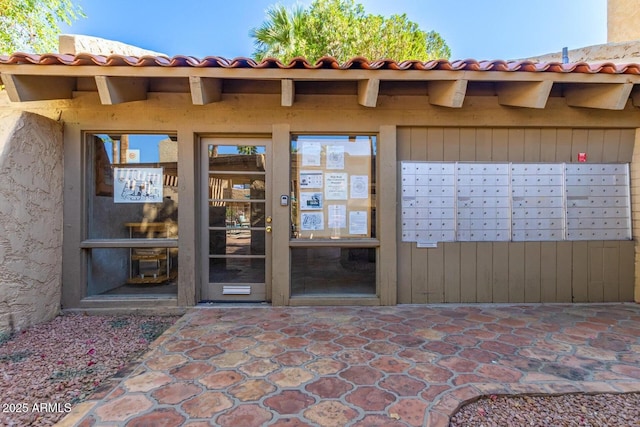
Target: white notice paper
x=310, y=153
x=358, y=222
x=138, y=185
x=359, y=186
x=335, y=186
x=310, y=221
x=310, y=200
x=335, y=157
x=337, y=216
x=310, y=179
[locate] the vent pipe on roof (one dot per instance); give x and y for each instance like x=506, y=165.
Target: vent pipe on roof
x=565, y=55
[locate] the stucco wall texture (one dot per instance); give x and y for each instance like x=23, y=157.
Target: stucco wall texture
x=623, y=20
x=31, y=174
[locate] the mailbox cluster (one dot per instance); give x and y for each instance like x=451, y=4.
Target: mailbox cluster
x=447, y=201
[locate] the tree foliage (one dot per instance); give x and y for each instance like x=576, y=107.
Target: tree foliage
x=33, y=25
x=342, y=29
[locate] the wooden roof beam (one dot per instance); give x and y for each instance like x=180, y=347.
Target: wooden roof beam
x=116, y=90
x=598, y=95
x=205, y=90
x=635, y=96
x=368, y=92
x=288, y=92
x=524, y=94
x=21, y=88
x=447, y=93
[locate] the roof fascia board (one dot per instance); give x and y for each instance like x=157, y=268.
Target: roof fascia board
x=116, y=90
x=524, y=94
x=447, y=93
x=21, y=88
x=205, y=90
x=602, y=96
x=314, y=74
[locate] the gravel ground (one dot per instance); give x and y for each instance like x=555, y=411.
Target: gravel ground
x=47, y=369
x=597, y=410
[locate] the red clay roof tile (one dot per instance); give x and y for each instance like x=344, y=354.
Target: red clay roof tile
x=356, y=63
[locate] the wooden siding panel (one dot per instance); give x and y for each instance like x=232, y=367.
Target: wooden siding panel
x=403, y=144
x=419, y=257
x=435, y=275
x=548, y=272
x=452, y=272
x=595, y=144
x=451, y=150
x=563, y=271
x=611, y=272
x=579, y=272
x=532, y=272
x=516, y=272
x=548, y=143
x=419, y=275
x=563, y=145
x=516, y=145
x=627, y=270
x=532, y=145
x=500, y=279
x=467, y=145
x=468, y=272
x=625, y=147
x=435, y=144
x=595, y=290
x=404, y=249
x=483, y=144
x=500, y=146
x=611, y=147
x=419, y=144
x=484, y=272
x=579, y=141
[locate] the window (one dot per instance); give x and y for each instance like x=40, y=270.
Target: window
x=132, y=214
x=333, y=187
x=333, y=221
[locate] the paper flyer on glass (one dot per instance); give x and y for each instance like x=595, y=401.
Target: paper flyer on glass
x=358, y=222
x=335, y=186
x=312, y=221
x=137, y=185
x=311, y=200
x=310, y=179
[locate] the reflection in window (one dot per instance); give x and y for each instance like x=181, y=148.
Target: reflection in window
x=333, y=271
x=237, y=214
x=133, y=195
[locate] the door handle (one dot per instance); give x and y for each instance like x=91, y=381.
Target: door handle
x=268, y=229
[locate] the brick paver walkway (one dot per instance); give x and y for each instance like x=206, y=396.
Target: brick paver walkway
x=366, y=366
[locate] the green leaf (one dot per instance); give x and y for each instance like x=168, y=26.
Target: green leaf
x=342, y=29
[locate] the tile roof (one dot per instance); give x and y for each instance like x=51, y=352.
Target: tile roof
x=356, y=63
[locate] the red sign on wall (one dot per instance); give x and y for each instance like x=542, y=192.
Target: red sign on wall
x=582, y=157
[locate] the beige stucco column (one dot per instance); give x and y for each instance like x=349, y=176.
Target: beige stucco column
x=30, y=219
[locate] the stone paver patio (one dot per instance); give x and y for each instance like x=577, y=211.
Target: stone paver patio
x=365, y=366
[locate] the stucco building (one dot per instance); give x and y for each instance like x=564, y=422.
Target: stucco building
x=176, y=181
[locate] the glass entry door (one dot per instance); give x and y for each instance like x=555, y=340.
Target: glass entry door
x=236, y=221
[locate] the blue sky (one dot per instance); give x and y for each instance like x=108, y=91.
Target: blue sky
x=477, y=29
